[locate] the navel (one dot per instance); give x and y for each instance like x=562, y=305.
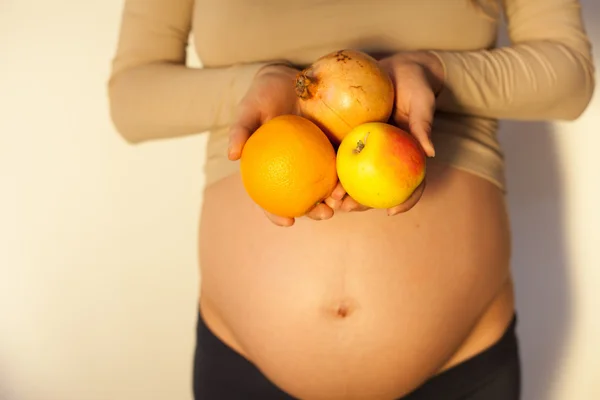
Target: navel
x=343, y=309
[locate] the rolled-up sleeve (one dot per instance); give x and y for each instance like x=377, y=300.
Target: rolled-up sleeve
x=152, y=93
x=546, y=73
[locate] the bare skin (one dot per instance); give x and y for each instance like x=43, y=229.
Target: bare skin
x=361, y=303
x=342, y=304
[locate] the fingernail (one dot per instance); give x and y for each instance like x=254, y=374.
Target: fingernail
x=337, y=195
x=430, y=143
x=432, y=150
x=230, y=151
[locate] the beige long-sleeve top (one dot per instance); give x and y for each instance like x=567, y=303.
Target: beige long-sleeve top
x=546, y=73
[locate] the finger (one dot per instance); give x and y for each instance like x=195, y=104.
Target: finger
x=248, y=121
x=333, y=203
x=350, y=204
x=280, y=221
x=410, y=202
x=420, y=118
x=320, y=212
x=335, y=199
x=338, y=192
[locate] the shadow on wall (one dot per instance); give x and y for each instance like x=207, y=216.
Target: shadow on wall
x=540, y=261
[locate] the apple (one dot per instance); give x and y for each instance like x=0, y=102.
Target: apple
x=380, y=165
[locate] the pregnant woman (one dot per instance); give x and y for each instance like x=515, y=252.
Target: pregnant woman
x=346, y=303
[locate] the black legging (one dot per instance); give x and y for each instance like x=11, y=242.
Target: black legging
x=494, y=374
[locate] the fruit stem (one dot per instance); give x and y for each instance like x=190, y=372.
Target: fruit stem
x=303, y=84
x=360, y=145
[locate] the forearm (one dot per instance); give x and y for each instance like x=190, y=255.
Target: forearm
x=165, y=100
x=528, y=81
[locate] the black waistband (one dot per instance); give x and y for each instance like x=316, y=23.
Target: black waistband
x=454, y=383
x=459, y=380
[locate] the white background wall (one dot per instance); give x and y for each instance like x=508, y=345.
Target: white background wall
x=98, y=274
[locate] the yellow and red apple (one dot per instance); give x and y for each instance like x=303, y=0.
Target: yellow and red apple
x=380, y=165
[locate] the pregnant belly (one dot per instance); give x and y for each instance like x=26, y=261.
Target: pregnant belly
x=359, y=306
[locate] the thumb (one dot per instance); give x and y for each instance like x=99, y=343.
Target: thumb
x=420, y=119
x=247, y=122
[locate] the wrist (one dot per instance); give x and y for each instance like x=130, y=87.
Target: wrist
x=436, y=71
x=276, y=67
x=431, y=64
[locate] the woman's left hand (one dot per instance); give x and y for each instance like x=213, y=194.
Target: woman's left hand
x=417, y=78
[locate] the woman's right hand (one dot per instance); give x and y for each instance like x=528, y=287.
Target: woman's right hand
x=270, y=95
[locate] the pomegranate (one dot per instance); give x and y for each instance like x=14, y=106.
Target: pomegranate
x=344, y=89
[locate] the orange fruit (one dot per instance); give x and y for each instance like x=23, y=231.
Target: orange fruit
x=288, y=166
